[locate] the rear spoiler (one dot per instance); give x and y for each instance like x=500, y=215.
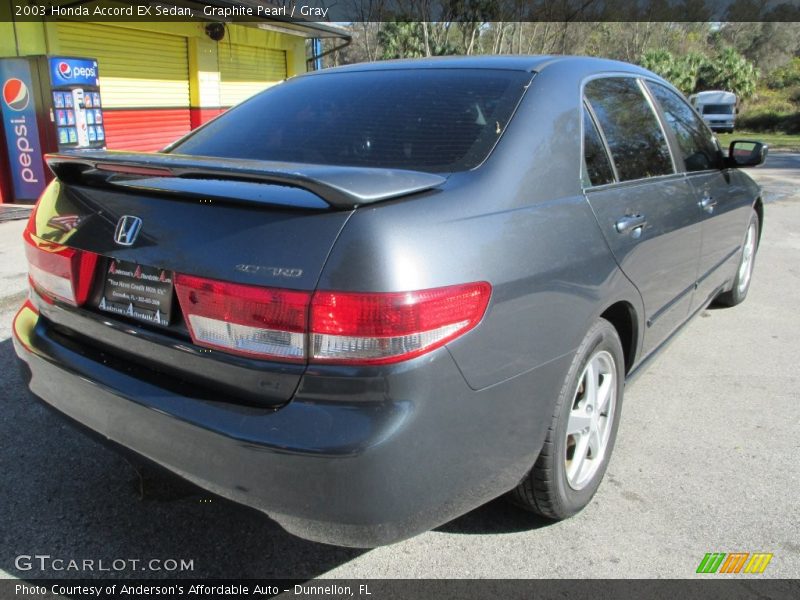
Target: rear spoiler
x=340, y=187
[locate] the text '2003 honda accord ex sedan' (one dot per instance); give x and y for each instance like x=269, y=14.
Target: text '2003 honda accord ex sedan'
x=372, y=298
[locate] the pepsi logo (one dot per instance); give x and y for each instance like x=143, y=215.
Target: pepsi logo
x=66, y=70
x=15, y=94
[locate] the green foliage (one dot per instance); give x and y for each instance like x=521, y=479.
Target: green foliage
x=773, y=110
x=776, y=108
x=772, y=101
x=786, y=76
x=766, y=120
x=729, y=71
x=659, y=61
x=401, y=40
x=681, y=72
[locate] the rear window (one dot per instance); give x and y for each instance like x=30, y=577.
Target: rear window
x=437, y=120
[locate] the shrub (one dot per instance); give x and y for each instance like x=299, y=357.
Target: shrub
x=766, y=120
x=729, y=71
x=786, y=76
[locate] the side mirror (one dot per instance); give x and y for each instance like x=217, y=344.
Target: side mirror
x=744, y=153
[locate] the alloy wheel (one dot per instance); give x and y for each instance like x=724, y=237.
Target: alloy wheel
x=748, y=254
x=590, y=420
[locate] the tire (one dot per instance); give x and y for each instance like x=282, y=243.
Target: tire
x=557, y=487
x=744, y=269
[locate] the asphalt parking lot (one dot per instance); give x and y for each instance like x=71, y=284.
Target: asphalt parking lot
x=706, y=461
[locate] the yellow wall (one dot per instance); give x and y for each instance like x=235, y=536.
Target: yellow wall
x=24, y=39
x=7, y=40
x=293, y=45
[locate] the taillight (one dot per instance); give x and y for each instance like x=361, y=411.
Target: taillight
x=381, y=328
x=244, y=319
x=59, y=272
x=327, y=327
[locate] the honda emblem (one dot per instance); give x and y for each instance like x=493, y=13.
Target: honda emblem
x=128, y=228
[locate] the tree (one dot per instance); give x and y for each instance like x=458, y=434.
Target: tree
x=768, y=44
x=400, y=40
x=729, y=71
x=681, y=72
x=659, y=61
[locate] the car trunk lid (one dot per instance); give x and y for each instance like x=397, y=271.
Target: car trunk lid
x=260, y=225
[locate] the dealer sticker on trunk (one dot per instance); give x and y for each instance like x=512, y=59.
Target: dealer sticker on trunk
x=137, y=291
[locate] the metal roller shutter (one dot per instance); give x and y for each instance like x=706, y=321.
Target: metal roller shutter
x=144, y=82
x=247, y=70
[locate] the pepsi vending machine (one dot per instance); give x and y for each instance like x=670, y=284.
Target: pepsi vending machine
x=50, y=104
x=70, y=97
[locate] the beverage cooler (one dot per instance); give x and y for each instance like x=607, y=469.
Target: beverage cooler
x=50, y=104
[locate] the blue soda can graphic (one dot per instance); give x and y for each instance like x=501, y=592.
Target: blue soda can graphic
x=92, y=134
x=73, y=135
x=98, y=116
x=96, y=99
x=58, y=99
x=67, y=100
x=61, y=117
x=100, y=134
x=63, y=135
x=90, y=117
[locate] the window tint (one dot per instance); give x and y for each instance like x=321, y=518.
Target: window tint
x=717, y=109
x=695, y=140
x=634, y=136
x=597, y=167
x=438, y=120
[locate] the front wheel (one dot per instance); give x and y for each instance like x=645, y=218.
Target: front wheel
x=744, y=272
x=582, y=432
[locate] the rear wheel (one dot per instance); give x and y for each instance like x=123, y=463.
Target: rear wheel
x=744, y=272
x=582, y=432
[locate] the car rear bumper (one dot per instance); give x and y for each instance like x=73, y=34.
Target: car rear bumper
x=358, y=457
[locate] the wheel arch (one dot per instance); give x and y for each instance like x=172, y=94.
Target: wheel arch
x=622, y=315
x=758, y=206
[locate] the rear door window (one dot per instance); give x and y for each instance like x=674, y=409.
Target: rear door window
x=638, y=146
x=695, y=140
x=597, y=166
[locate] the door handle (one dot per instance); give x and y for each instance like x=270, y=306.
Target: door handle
x=632, y=223
x=707, y=203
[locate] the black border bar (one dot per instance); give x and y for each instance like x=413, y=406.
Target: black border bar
x=350, y=11
x=703, y=588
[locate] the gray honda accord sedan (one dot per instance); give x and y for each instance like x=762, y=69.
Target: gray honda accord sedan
x=372, y=298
